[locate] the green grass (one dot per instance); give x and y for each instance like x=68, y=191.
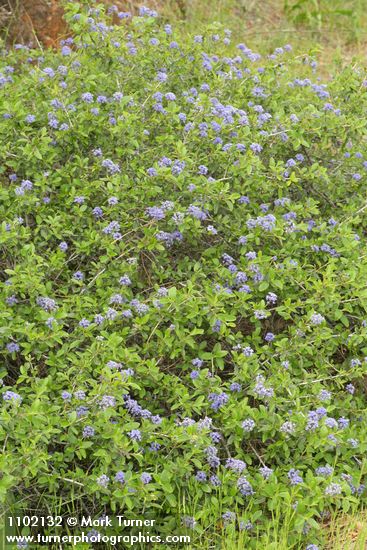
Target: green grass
x=347, y=532
x=334, y=30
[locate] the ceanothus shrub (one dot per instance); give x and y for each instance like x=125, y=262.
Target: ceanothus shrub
x=183, y=281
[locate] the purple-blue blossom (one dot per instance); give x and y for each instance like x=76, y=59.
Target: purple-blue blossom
x=266, y=472
x=294, y=477
x=12, y=347
x=248, y=425
x=12, y=397
x=333, y=490
x=120, y=477
x=197, y=213
x=145, y=478
x=217, y=400
x=235, y=464
x=245, y=487
x=103, y=481
x=88, y=431
x=201, y=476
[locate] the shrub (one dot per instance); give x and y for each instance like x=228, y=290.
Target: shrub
x=183, y=282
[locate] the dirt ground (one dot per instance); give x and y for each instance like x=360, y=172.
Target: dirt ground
x=41, y=21
x=32, y=21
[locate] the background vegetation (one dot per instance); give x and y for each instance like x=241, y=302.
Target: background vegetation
x=336, y=29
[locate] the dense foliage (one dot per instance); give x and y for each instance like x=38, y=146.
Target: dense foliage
x=183, y=282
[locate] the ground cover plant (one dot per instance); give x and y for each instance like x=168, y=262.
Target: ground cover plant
x=183, y=285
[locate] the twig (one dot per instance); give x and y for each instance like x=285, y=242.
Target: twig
x=258, y=456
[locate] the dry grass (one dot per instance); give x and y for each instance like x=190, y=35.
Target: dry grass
x=347, y=532
x=265, y=25
x=262, y=25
